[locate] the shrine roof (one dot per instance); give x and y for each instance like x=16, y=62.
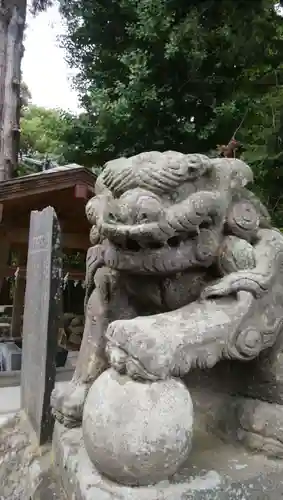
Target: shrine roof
x=53, y=179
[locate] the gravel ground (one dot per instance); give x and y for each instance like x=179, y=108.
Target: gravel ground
x=25, y=469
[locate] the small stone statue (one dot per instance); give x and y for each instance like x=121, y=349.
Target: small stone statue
x=185, y=271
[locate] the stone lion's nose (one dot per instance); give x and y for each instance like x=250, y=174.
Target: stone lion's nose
x=119, y=215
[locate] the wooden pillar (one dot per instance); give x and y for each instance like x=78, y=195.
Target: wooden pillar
x=5, y=248
x=18, y=301
x=18, y=307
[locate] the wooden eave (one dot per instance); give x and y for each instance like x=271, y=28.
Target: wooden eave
x=67, y=191
x=46, y=182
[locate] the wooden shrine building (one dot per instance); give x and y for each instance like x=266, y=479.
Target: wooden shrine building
x=67, y=189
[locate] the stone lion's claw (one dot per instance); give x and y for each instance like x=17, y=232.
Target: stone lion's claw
x=136, y=371
x=117, y=357
x=67, y=406
x=125, y=364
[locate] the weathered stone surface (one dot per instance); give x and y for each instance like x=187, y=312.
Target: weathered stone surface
x=41, y=320
x=137, y=433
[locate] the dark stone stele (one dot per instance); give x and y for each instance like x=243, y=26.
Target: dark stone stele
x=41, y=320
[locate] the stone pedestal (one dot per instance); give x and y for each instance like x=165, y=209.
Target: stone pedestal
x=214, y=471
x=217, y=468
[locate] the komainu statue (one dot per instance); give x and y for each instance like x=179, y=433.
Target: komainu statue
x=185, y=271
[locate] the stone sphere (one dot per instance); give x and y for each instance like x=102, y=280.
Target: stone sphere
x=137, y=433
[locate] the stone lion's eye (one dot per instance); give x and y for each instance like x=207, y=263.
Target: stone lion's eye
x=191, y=170
x=143, y=216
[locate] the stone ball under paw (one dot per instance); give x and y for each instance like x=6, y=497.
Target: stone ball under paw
x=137, y=433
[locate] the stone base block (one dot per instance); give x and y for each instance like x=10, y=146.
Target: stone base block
x=215, y=470
x=256, y=424
x=10, y=357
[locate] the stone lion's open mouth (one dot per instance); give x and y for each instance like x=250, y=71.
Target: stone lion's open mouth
x=176, y=254
x=131, y=245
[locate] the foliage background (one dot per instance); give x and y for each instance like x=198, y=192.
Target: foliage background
x=170, y=74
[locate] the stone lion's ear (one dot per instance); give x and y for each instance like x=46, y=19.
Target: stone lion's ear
x=236, y=171
x=90, y=210
x=241, y=174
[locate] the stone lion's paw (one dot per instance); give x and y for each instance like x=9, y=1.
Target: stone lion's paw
x=123, y=363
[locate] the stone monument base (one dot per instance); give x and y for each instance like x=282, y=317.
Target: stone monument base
x=216, y=469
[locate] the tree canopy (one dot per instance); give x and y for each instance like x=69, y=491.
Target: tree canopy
x=42, y=132
x=55, y=135
x=178, y=74
x=184, y=75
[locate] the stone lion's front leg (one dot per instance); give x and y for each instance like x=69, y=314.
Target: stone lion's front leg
x=171, y=344
x=237, y=318
x=107, y=302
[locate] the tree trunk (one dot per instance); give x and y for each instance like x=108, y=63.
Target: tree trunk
x=12, y=21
